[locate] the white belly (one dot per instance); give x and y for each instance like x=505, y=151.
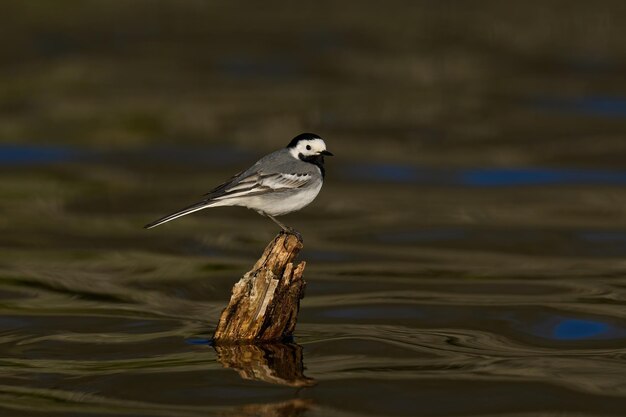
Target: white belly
x=279, y=203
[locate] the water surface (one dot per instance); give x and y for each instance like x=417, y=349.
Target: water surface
x=465, y=257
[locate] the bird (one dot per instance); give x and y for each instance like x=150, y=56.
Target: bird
x=279, y=183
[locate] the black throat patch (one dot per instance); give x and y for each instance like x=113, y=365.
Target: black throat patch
x=317, y=160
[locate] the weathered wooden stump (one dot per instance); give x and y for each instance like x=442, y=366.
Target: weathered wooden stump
x=265, y=302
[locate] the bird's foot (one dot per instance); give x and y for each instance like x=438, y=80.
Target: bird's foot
x=291, y=231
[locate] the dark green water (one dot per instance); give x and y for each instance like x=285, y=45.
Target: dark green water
x=466, y=256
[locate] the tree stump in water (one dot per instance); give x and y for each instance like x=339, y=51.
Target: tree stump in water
x=265, y=302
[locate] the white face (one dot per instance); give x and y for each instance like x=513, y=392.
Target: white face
x=308, y=147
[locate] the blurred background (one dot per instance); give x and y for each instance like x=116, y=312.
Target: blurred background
x=467, y=255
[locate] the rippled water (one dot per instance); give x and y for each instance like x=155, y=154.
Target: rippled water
x=477, y=297
x=467, y=255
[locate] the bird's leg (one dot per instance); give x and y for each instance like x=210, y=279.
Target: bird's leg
x=286, y=229
x=282, y=226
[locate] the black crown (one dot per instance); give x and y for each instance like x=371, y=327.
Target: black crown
x=302, y=136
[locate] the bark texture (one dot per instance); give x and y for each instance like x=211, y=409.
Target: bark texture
x=265, y=302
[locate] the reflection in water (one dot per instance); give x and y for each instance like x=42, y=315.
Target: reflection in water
x=579, y=329
x=536, y=176
x=482, y=177
x=276, y=363
x=291, y=408
x=30, y=155
x=569, y=328
x=598, y=106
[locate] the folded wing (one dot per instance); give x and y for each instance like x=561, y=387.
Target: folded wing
x=254, y=184
x=261, y=183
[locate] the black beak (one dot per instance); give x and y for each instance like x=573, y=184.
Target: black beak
x=325, y=152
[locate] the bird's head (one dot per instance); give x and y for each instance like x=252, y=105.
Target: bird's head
x=307, y=145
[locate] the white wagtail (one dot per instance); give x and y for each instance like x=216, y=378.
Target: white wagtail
x=279, y=183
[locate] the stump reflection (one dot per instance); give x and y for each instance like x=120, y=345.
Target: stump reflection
x=290, y=408
x=276, y=363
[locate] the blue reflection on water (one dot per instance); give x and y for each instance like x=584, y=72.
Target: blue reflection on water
x=29, y=154
x=537, y=176
x=574, y=329
x=481, y=177
x=199, y=341
x=605, y=236
x=570, y=329
x=385, y=172
x=605, y=106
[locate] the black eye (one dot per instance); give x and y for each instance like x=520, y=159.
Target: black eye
x=308, y=147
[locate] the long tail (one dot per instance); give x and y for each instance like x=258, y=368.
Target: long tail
x=187, y=210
